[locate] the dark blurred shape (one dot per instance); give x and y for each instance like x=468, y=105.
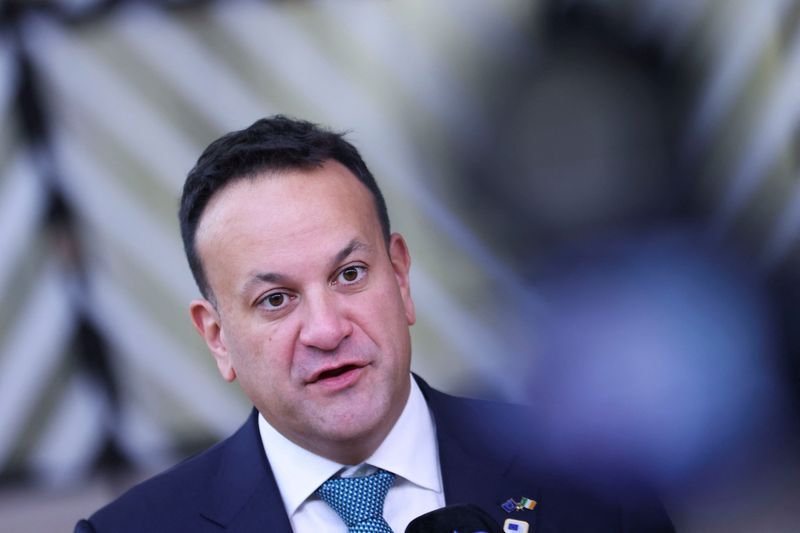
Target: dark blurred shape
x=463, y=518
x=94, y=357
x=30, y=104
x=584, y=141
x=659, y=350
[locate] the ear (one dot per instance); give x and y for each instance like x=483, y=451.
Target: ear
x=401, y=264
x=207, y=322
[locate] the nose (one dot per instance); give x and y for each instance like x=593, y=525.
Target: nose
x=325, y=325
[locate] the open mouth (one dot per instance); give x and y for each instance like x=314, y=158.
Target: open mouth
x=336, y=372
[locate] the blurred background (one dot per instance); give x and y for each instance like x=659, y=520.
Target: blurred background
x=602, y=200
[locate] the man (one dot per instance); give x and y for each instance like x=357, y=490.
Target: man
x=306, y=302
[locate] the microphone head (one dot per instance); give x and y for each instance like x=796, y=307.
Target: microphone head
x=462, y=518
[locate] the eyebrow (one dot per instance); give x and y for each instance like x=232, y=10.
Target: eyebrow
x=353, y=246
x=275, y=277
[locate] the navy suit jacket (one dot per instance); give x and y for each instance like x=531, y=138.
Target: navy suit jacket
x=484, y=458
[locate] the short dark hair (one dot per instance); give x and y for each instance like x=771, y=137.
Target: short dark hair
x=274, y=144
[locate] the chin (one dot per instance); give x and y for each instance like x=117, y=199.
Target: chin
x=354, y=426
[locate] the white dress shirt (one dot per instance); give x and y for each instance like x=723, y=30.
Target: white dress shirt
x=409, y=451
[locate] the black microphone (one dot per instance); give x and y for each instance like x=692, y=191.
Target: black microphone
x=462, y=518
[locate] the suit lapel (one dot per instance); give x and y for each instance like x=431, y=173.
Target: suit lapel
x=477, y=467
x=243, y=494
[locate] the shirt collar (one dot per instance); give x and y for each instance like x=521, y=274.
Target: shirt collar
x=408, y=451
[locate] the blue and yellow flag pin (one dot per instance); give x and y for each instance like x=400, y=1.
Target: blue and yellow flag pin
x=511, y=505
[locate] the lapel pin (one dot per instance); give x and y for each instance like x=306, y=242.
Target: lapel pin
x=515, y=526
x=524, y=503
x=509, y=505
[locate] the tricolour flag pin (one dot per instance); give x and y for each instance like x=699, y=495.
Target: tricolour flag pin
x=526, y=503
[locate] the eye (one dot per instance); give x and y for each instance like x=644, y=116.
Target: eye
x=351, y=275
x=275, y=300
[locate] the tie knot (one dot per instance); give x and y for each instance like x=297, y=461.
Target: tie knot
x=359, y=500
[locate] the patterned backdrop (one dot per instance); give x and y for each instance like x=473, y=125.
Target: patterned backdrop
x=503, y=133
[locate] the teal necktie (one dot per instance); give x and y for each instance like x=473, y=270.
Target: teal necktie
x=359, y=500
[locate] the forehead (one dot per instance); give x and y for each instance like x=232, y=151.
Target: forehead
x=331, y=185
x=296, y=210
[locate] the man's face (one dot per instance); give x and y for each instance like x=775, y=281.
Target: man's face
x=312, y=313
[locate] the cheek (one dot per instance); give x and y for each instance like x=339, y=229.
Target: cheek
x=392, y=305
x=382, y=315
x=273, y=347
x=259, y=348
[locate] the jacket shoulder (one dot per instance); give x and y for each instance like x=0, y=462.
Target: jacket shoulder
x=169, y=501
x=503, y=439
